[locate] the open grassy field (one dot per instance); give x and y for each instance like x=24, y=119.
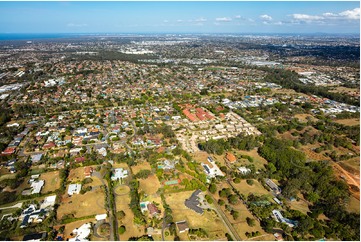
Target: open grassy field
x=120, y=165
x=208, y=220
x=200, y=156
x=241, y=223
x=141, y=166
x=256, y=188
x=308, y=150
x=150, y=185
x=6, y=174
x=122, y=204
x=352, y=165
x=258, y=162
x=52, y=181
x=348, y=122
x=353, y=205
x=300, y=205
x=304, y=117
x=77, y=175
x=82, y=205
x=132, y=230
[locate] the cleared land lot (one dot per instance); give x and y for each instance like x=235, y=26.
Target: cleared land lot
x=82, y=205
x=208, y=221
x=52, y=181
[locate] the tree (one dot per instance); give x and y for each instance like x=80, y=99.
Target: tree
x=235, y=214
x=250, y=221
x=122, y=229
x=250, y=182
x=233, y=199
x=212, y=188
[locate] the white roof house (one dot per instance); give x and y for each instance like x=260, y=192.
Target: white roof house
x=74, y=189
x=48, y=202
x=101, y=216
x=37, y=186
x=82, y=232
x=119, y=173
x=244, y=170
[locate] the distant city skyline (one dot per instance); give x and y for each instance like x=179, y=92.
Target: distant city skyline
x=180, y=17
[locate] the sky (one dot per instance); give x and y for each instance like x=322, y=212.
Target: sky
x=180, y=17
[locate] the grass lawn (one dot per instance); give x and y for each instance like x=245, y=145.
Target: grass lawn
x=209, y=220
x=52, y=181
x=79, y=205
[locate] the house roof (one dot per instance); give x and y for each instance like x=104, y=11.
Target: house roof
x=230, y=157
x=152, y=208
x=192, y=202
x=182, y=226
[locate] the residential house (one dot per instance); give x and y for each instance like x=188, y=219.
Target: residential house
x=88, y=171
x=192, y=202
x=182, y=226
x=74, y=189
x=153, y=210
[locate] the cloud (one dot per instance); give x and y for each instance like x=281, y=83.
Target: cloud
x=165, y=21
x=306, y=17
x=223, y=19
x=347, y=15
x=179, y=20
x=265, y=17
x=76, y=25
x=353, y=14
x=200, y=20
x=237, y=16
